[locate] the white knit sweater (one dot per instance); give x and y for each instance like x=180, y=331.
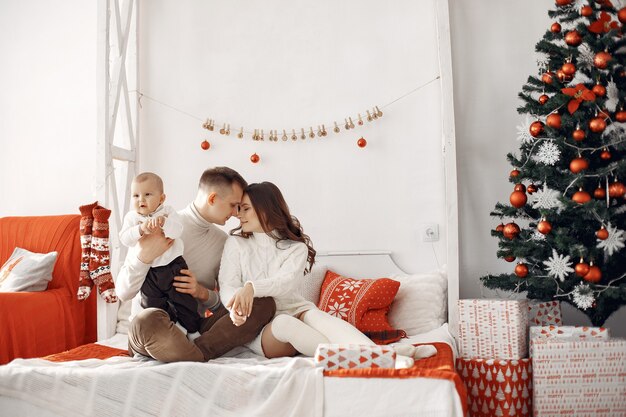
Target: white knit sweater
x=273, y=271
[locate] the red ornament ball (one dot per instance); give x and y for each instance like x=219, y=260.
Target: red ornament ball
x=555, y=28
x=605, y=154
x=599, y=90
x=568, y=68
x=510, y=230
x=621, y=15
x=519, y=187
x=514, y=173
x=532, y=188
x=509, y=258
x=578, y=135
x=581, y=197
x=554, y=120
x=601, y=60
x=563, y=77
x=593, y=275
x=617, y=189
x=543, y=99
x=563, y=2
x=620, y=116
x=581, y=268
x=578, y=164
x=586, y=11
x=573, y=38
x=597, y=124
x=205, y=145
x=547, y=77
x=544, y=227
x=602, y=234
x=361, y=143
x=518, y=199
x=521, y=270
x=254, y=158
x=536, y=128
x=500, y=228
x=599, y=193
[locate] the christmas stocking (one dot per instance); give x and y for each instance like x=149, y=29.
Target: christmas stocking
x=99, y=262
x=86, y=222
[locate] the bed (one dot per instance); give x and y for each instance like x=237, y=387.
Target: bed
x=241, y=383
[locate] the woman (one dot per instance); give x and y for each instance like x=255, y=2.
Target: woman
x=267, y=256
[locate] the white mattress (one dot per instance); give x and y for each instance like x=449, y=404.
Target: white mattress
x=342, y=396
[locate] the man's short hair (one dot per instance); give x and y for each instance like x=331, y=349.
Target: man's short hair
x=146, y=176
x=222, y=179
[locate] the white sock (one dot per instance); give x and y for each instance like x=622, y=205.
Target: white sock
x=335, y=329
x=403, y=362
x=416, y=352
x=302, y=337
x=180, y=326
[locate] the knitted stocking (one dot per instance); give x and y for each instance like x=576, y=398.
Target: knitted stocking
x=86, y=222
x=99, y=262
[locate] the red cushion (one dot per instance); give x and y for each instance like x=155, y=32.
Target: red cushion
x=364, y=303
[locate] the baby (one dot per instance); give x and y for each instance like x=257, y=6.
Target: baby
x=151, y=216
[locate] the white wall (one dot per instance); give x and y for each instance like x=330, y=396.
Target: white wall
x=493, y=54
x=47, y=106
x=286, y=64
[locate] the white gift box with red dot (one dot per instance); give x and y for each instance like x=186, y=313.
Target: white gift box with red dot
x=346, y=356
x=495, y=329
x=578, y=371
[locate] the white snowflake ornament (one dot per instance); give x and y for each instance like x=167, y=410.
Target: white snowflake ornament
x=523, y=131
x=613, y=243
x=583, y=296
x=546, y=198
x=558, y=266
x=548, y=153
x=585, y=56
x=612, y=94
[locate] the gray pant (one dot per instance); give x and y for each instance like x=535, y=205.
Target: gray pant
x=153, y=334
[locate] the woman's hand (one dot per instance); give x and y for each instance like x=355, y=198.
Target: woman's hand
x=188, y=284
x=236, y=318
x=241, y=303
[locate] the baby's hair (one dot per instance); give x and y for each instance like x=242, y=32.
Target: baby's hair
x=220, y=178
x=146, y=176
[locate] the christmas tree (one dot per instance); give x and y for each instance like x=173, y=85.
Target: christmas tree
x=564, y=224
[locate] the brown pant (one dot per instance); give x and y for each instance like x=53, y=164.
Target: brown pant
x=153, y=334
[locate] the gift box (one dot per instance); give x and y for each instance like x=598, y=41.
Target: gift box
x=579, y=371
x=497, y=387
x=347, y=356
x=566, y=332
x=493, y=329
x=544, y=313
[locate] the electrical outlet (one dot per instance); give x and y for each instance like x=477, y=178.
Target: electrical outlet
x=430, y=232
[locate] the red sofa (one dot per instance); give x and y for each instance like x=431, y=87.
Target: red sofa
x=34, y=324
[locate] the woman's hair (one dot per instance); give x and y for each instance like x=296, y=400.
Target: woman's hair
x=277, y=222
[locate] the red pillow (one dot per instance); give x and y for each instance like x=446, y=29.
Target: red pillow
x=364, y=303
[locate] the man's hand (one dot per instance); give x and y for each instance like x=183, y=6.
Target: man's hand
x=241, y=303
x=151, y=246
x=188, y=284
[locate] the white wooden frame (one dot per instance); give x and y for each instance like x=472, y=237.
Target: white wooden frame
x=117, y=130
x=113, y=86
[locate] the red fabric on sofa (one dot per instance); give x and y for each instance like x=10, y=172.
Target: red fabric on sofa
x=34, y=324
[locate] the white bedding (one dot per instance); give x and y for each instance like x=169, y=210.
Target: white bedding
x=231, y=386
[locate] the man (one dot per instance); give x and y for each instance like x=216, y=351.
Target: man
x=151, y=331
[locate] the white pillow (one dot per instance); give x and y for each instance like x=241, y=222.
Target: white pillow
x=27, y=271
x=312, y=283
x=421, y=302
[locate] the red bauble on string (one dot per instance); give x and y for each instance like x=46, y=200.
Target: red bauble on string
x=605, y=154
x=554, y=120
x=578, y=164
x=621, y=15
x=544, y=227
x=519, y=187
x=555, y=28
x=254, y=158
x=500, y=228
x=594, y=274
x=536, y=128
x=361, y=143
x=586, y=11
x=620, y=116
x=563, y=2
x=616, y=189
x=543, y=99
x=547, y=77
x=521, y=270
x=568, y=69
x=573, y=38
x=581, y=196
x=518, y=199
x=599, y=193
x=510, y=230
x=602, y=234
x=581, y=268
x=578, y=135
x=599, y=90
x=601, y=60
x=597, y=124
x=205, y=145
x=514, y=173
x=509, y=258
x=532, y=188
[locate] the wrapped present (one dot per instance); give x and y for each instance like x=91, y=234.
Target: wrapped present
x=493, y=329
x=497, y=387
x=579, y=371
x=347, y=356
x=544, y=313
